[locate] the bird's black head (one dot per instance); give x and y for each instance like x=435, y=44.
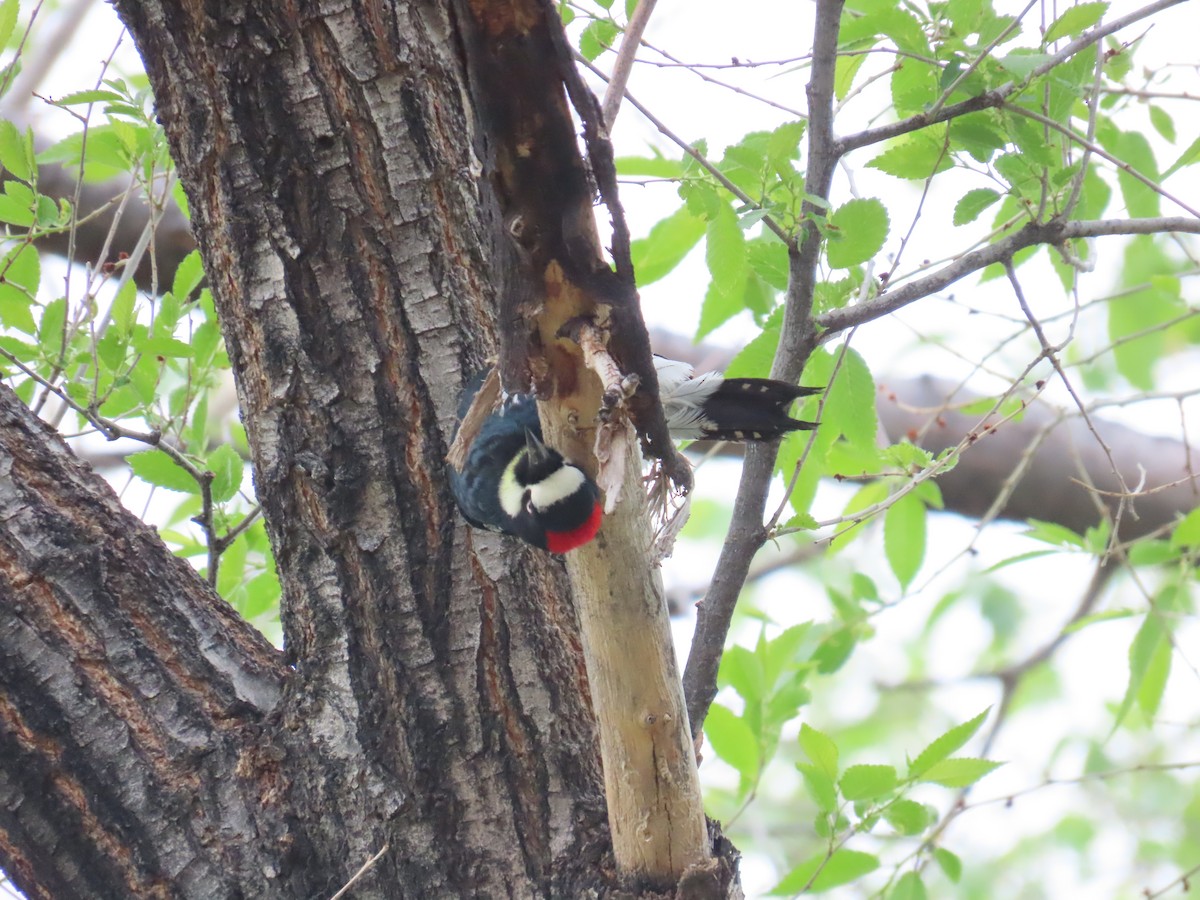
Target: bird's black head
x=553, y=503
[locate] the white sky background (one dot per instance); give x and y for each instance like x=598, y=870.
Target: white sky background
x=1094, y=664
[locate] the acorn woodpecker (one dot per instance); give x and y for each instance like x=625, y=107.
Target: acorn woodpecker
x=513, y=483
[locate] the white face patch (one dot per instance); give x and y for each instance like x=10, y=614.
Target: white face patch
x=560, y=484
x=512, y=495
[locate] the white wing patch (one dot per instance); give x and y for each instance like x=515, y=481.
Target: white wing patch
x=671, y=374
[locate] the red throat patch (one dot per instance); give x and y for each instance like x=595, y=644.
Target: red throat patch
x=562, y=541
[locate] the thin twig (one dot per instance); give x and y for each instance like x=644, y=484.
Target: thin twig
x=362, y=870
x=625, y=58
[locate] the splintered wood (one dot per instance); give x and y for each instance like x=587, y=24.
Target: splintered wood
x=614, y=432
x=481, y=407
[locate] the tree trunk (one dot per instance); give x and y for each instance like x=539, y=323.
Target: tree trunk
x=432, y=702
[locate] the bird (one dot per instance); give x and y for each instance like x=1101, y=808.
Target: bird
x=711, y=407
x=513, y=483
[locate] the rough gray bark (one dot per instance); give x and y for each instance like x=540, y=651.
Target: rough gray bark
x=436, y=702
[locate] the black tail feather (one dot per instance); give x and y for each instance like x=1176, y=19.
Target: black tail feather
x=754, y=409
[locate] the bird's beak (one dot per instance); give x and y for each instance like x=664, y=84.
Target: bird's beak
x=538, y=452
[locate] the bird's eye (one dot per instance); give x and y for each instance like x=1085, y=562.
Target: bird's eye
x=529, y=507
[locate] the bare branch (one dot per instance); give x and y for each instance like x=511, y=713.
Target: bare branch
x=994, y=98
x=797, y=340
x=625, y=58
x=1052, y=232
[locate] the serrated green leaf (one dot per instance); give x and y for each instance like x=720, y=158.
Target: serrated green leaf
x=867, y=782
x=155, y=467
x=858, y=230
x=950, y=864
x=22, y=268
x=819, y=748
x=1142, y=651
x=1154, y=679
x=908, y=886
x=733, y=740
x=597, y=37
x=847, y=68
x=50, y=330
x=904, y=537
x=823, y=872
x=820, y=787
x=121, y=314
x=741, y=669
x=8, y=21
x=940, y=748
x=913, y=158
x=669, y=241
x=959, y=772
x=1133, y=149
x=78, y=97
x=908, y=816
x=1075, y=21
x=227, y=468
x=16, y=310
x=851, y=406
x=972, y=203
x=188, y=275
x=14, y=155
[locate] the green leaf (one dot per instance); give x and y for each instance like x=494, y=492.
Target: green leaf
x=596, y=38
x=914, y=158
x=725, y=253
x=908, y=886
x=851, y=407
x=822, y=872
x=1154, y=679
x=155, y=467
x=8, y=20
x=972, y=203
x=1162, y=122
x=1133, y=149
x=122, y=315
x=79, y=97
x=908, y=816
x=1021, y=63
x=819, y=748
x=950, y=864
x=669, y=241
x=820, y=787
x=847, y=68
x=657, y=166
x=22, y=268
x=904, y=537
x=16, y=310
x=867, y=782
x=943, y=746
x=858, y=230
x=188, y=275
x=1142, y=652
x=1074, y=21
x=733, y=740
x=1053, y=533
x=14, y=151
x=1186, y=158
x=959, y=772
x=1187, y=532
x=50, y=331
x=227, y=468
